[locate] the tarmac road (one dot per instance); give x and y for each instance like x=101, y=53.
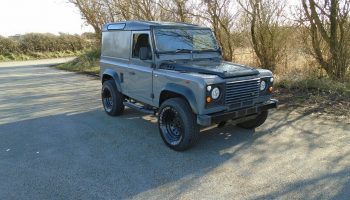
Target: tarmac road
x=56, y=142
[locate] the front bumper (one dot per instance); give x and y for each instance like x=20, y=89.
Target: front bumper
x=238, y=115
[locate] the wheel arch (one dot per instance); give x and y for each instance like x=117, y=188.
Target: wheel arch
x=173, y=90
x=110, y=74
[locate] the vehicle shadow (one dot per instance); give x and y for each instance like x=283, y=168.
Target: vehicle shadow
x=101, y=156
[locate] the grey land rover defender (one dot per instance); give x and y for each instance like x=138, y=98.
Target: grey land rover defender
x=176, y=71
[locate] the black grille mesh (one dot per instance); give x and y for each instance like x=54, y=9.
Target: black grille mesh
x=242, y=93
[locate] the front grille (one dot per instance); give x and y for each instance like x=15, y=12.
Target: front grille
x=242, y=94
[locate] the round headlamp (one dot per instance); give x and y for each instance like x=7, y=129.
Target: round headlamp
x=215, y=93
x=262, y=85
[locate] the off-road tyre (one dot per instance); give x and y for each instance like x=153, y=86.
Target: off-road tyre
x=112, y=99
x=178, y=124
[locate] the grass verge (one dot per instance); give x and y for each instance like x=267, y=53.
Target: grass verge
x=319, y=96
x=38, y=55
x=85, y=63
x=312, y=84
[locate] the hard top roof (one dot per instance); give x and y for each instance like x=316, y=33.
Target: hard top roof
x=144, y=25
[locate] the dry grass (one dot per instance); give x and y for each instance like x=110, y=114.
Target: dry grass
x=86, y=63
x=328, y=105
x=38, y=55
x=302, y=85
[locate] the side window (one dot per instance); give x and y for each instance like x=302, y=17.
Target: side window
x=140, y=40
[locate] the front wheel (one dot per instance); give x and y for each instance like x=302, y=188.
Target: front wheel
x=254, y=123
x=177, y=124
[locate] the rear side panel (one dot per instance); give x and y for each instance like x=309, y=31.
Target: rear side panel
x=115, y=55
x=116, y=44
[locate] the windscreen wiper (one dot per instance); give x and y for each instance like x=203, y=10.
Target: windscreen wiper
x=184, y=51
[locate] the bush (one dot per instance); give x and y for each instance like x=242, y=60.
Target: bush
x=308, y=84
x=8, y=46
x=87, y=62
x=38, y=45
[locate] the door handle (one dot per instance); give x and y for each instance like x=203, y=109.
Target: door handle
x=132, y=73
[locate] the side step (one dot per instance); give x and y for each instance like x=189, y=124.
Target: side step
x=139, y=108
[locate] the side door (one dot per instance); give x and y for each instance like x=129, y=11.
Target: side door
x=138, y=77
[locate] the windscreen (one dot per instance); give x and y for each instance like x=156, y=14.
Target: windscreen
x=174, y=40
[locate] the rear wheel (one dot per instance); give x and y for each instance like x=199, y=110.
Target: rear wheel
x=254, y=123
x=177, y=124
x=112, y=99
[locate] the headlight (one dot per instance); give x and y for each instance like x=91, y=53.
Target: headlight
x=215, y=93
x=262, y=85
x=271, y=79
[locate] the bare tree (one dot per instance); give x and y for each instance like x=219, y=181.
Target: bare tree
x=267, y=35
x=175, y=10
x=329, y=30
x=221, y=17
x=96, y=13
x=143, y=9
x=121, y=8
